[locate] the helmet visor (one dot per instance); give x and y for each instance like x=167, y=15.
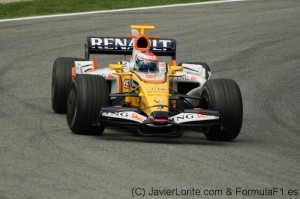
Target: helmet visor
x=144, y=65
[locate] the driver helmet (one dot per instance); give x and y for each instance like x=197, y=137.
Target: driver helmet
x=145, y=61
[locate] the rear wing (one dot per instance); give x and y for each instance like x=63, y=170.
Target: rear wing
x=124, y=46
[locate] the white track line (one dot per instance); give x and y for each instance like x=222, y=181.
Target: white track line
x=119, y=10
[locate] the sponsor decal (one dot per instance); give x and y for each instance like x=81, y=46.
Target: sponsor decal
x=155, y=89
x=193, y=78
x=128, y=115
x=128, y=83
x=147, y=57
x=162, y=64
x=159, y=100
x=111, y=43
x=184, y=78
x=125, y=66
x=191, y=117
x=137, y=117
x=108, y=43
x=187, y=77
x=202, y=116
x=156, y=92
x=156, y=77
x=162, y=67
x=150, y=76
x=116, y=114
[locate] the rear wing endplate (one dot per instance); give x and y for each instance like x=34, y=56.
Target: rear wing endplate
x=124, y=46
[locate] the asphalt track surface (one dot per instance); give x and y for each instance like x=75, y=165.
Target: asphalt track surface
x=256, y=43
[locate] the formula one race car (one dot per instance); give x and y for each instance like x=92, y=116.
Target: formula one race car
x=158, y=98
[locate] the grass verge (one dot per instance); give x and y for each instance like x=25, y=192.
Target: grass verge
x=47, y=7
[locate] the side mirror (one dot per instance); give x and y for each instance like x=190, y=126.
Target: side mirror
x=173, y=69
x=116, y=66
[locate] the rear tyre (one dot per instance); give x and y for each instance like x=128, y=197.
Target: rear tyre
x=223, y=95
x=61, y=80
x=86, y=96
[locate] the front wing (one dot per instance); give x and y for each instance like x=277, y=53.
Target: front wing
x=161, y=124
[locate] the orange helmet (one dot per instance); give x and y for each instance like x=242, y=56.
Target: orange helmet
x=145, y=61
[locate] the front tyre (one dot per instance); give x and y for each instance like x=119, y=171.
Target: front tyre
x=86, y=96
x=223, y=95
x=61, y=81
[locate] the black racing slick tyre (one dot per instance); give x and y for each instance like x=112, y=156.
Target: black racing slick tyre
x=61, y=81
x=224, y=96
x=86, y=96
